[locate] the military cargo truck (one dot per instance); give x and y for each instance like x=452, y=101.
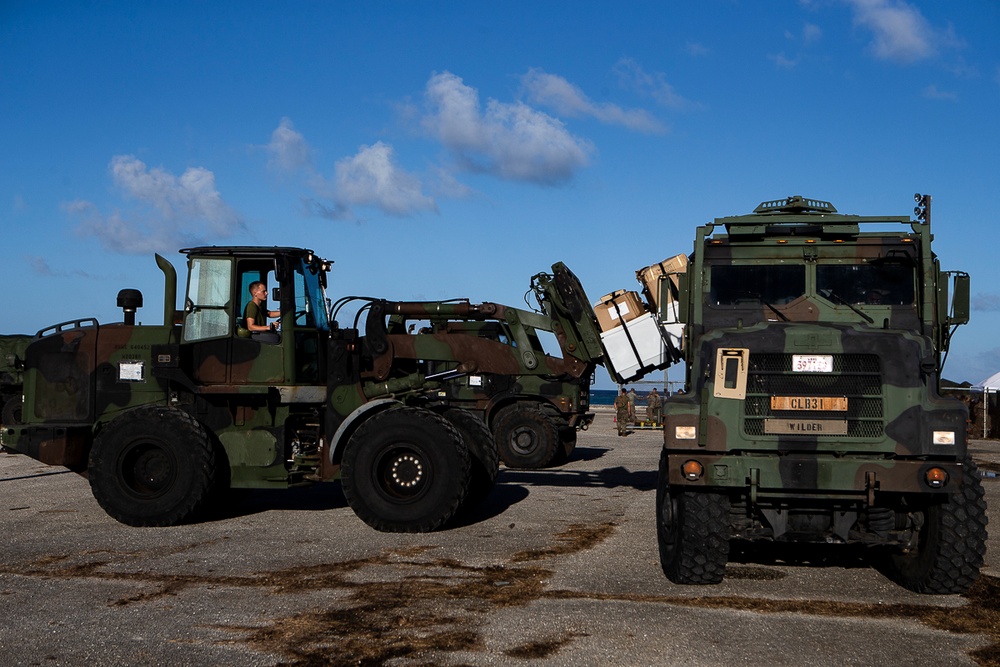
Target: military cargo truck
x=165, y=417
x=811, y=413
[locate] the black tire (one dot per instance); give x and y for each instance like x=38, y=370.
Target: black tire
x=12, y=411
x=526, y=437
x=951, y=545
x=567, y=441
x=152, y=466
x=485, y=461
x=405, y=470
x=692, y=531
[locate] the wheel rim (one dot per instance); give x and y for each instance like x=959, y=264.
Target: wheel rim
x=402, y=473
x=523, y=440
x=147, y=470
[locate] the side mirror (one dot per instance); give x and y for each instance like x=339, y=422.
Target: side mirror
x=683, y=286
x=959, y=298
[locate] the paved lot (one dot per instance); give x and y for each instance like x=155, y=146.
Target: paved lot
x=559, y=567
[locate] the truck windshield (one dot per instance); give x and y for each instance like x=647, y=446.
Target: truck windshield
x=756, y=284
x=886, y=283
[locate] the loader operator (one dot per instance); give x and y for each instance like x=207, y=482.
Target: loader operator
x=256, y=313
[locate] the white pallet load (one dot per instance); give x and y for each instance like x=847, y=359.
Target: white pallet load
x=643, y=344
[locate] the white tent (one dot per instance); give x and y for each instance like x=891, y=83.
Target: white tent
x=990, y=384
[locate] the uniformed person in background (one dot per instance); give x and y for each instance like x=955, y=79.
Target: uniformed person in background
x=622, y=412
x=653, y=407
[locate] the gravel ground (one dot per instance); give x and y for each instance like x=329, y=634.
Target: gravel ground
x=559, y=567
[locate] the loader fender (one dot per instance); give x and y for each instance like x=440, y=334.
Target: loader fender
x=353, y=421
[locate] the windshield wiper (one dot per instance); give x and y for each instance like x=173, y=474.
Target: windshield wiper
x=830, y=294
x=784, y=318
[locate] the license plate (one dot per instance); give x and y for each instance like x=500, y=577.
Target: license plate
x=818, y=403
x=805, y=426
x=812, y=363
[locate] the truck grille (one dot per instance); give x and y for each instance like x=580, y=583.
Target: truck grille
x=856, y=376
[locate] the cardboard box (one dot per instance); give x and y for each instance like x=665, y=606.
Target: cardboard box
x=641, y=346
x=617, y=307
x=650, y=279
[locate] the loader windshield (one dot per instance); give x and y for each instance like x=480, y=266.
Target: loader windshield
x=310, y=297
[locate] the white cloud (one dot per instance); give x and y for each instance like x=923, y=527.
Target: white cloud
x=559, y=94
x=170, y=211
x=931, y=92
x=696, y=49
x=782, y=61
x=987, y=302
x=510, y=141
x=288, y=150
x=811, y=33
x=900, y=31
x=372, y=178
x=369, y=178
x=655, y=85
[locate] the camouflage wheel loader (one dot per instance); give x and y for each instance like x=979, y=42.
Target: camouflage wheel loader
x=536, y=405
x=11, y=371
x=163, y=418
x=811, y=411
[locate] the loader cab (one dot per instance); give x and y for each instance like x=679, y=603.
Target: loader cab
x=220, y=350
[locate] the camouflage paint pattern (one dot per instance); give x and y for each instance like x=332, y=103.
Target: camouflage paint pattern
x=275, y=409
x=12, y=349
x=886, y=363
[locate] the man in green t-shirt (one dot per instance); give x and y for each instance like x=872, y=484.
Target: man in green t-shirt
x=256, y=313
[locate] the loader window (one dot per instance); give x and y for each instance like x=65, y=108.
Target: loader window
x=310, y=299
x=207, y=307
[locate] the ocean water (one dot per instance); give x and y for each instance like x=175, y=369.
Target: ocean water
x=602, y=396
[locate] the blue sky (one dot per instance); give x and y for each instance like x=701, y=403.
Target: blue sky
x=445, y=149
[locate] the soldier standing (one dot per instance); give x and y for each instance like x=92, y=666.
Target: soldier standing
x=631, y=405
x=621, y=412
x=653, y=405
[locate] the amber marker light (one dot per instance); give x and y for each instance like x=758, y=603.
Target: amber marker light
x=692, y=470
x=936, y=477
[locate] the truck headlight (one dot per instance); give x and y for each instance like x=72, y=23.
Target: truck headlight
x=685, y=432
x=944, y=437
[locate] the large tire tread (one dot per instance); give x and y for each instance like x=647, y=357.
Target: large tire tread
x=186, y=443
x=529, y=423
x=485, y=461
x=406, y=432
x=952, y=544
x=693, y=531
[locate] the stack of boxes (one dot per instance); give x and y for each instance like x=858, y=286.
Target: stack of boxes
x=638, y=338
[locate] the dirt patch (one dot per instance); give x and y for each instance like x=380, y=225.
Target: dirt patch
x=406, y=604
x=577, y=537
x=542, y=648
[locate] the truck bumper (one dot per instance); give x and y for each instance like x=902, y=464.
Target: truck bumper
x=54, y=445
x=811, y=475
